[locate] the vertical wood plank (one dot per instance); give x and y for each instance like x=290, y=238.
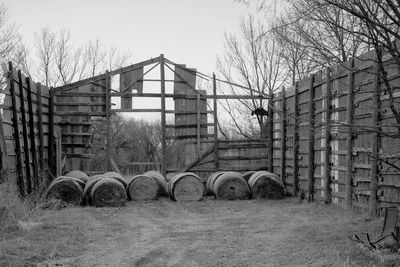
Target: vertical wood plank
x=198, y=120
x=20, y=181
x=270, y=123
x=25, y=134
x=40, y=126
x=51, y=159
x=328, y=149
x=32, y=134
x=373, y=201
x=311, y=132
x=108, y=118
x=283, y=136
x=215, y=111
x=163, y=119
x=296, y=140
x=349, y=141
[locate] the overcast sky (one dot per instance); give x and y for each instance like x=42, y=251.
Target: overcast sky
x=186, y=31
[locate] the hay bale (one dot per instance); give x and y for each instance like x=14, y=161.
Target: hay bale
x=211, y=180
x=66, y=189
x=247, y=175
x=265, y=184
x=231, y=186
x=116, y=176
x=78, y=174
x=79, y=181
x=88, y=188
x=108, y=192
x=160, y=180
x=186, y=186
x=142, y=187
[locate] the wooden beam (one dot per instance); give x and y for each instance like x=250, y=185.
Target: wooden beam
x=349, y=141
x=270, y=133
x=373, y=201
x=215, y=113
x=51, y=156
x=198, y=121
x=163, y=118
x=156, y=95
x=296, y=141
x=40, y=126
x=328, y=128
x=25, y=134
x=311, y=132
x=108, y=117
x=32, y=135
x=283, y=137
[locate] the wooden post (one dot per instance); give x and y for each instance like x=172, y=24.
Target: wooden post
x=198, y=119
x=270, y=125
x=108, y=118
x=311, y=132
x=40, y=126
x=328, y=150
x=215, y=111
x=296, y=140
x=17, y=140
x=32, y=134
x=349, y=141
x=283, y=136
x=163, y=119
x=25, y=134
x=373, y=201
x=51, y=156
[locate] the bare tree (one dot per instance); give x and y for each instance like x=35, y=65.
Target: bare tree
x=253, y=60
x=45, y=43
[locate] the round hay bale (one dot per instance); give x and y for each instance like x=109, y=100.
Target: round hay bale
x=231, y=186
x=108, y=192
x=247, y=175
x=142, y=187
x=160, y=180
x=186, y=186
x=211, y=180
x=77, y=180
x=116, y=176
x=88, y=188
x=78, y=174
x=66, y=189
x=264, y=184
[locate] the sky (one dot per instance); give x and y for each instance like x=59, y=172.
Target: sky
x=186, y=31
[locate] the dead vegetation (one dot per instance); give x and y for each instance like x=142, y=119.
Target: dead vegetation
x=205, y=233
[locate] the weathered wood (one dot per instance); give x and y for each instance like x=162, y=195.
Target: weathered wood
x=169, y=95
x=311, y=132
x=40, y=126
x=198, y=121
x=373, y=205
x=32, y=135
x=296, y=141
x=215, y=113
x=163, y=118
x=283, y=137
x=25, y=134
x=270, y=133
x=327, y=159
x=51, y=159
x=349, y=141
x=108, y=117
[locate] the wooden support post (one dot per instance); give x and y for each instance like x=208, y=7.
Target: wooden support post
x=373, y=201
x=32, y=135
x=270, y=125
x=40, y=126
x=296, y=140
x=349, y=141
x=108, y=118
x=198, y=120
x=311, y=132
x=20, y=181
x=283, y=136
x=215, y=111
x=163, y=119
x=51, y=144
x=328, y=149
x=25, y=134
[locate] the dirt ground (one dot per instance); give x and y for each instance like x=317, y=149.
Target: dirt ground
x=205, y=233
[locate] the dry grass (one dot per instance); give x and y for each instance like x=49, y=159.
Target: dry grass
x=205, y=233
